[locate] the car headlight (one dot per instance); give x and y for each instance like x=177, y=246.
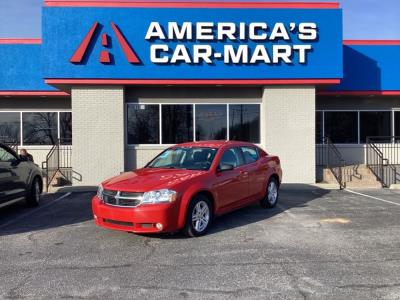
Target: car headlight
x=159, y=196
x=100, y=192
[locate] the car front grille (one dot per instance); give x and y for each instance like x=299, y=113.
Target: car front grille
x=124, y=199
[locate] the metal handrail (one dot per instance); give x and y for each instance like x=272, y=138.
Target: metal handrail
x=50, y=173
x=384, y=160
x=336, y=166
x=57, y=160
x=333, y=160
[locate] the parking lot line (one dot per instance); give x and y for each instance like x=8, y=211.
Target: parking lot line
x=372, y=197
x=27, y=214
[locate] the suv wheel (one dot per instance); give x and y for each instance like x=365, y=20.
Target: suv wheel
x=33, y=198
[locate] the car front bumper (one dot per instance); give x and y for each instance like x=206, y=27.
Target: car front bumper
x=141, y=219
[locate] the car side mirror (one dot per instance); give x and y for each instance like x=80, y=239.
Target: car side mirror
x=225, y=167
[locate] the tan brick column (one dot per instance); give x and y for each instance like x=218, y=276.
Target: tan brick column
x=288, y=114
x=98, y=133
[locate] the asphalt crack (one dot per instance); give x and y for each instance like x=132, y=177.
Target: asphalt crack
x=294, y=280
x=235, y=293
x=368, y=286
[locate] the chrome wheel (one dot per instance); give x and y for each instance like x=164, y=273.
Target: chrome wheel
x=272, y=194
x=200, y=216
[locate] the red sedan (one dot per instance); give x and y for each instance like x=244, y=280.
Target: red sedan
x=186, y=186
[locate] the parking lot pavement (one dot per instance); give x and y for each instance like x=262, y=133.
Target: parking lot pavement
x=315, y=244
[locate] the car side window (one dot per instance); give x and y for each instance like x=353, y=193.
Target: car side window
x=6, y=156
x=250, y=154
x=231, y=157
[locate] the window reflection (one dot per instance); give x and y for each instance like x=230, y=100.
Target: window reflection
x=244, y=122
x=39, y=128
x=10, y=127
x=177, y=124
x=374, y=124
x=143, y=124
x=210, y=122
x=341, y=126
x=66, y=128
x=318, y=127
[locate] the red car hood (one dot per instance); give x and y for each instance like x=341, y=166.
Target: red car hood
x=144, y=180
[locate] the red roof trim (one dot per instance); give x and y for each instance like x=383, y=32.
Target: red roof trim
x=192, y=81
x=358, y=93
x=34, y=93
x=20, y=41
x=190, y=4
x=372, y=42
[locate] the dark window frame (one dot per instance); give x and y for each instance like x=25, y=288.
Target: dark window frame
x=18, y=138
x=21, y=124
x=194, y=112
x=319, y=139
x=158, y=127
x=390, y=114
x=359, y=111
x=196, y=106
x=191, y=128
x=38, y=112
x=357, y=137
x=396, y=123
x=64, y=140
x=257, y=139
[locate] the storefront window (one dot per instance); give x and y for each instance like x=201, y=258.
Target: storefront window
x=143, y=124
x=318, y=127
x=66, y=128
x=211, y=122
x=39, y=128
x=177, y=123
x=244, y=122
x=375, y=123
x=342, y=126
x=10, y=125
x=397, y=124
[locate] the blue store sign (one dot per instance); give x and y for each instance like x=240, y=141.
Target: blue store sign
x=192, y=43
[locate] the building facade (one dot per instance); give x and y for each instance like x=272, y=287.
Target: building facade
x=123, y=80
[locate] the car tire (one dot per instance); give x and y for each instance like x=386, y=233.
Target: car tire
x=33, y=198
x=198, y=216
x=271, y=195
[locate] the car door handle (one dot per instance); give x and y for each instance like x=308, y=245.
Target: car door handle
x=244, y=173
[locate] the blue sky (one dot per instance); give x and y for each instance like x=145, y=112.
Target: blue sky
x=363, y=19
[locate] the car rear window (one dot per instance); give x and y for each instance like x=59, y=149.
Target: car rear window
x=250, y=154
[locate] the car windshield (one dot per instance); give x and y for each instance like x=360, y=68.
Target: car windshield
x=191, y=158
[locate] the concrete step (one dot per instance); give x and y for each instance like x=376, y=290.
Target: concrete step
x=357, y=176
x=361, y=185
x=59, y=180
x=353, y=171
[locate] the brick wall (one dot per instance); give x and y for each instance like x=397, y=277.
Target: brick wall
x=98, y=133
x=289, y=130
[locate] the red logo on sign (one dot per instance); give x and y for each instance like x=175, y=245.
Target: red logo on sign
x=105, y=58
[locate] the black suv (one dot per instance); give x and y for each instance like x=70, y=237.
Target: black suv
x=19, y=178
